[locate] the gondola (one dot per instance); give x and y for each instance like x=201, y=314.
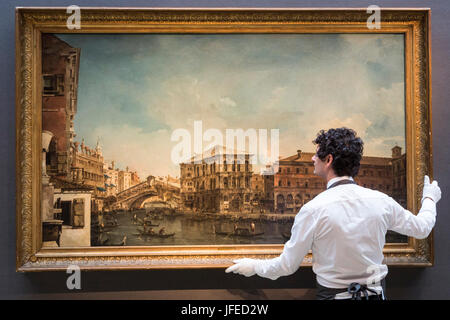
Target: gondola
x=240, y=232
x=142, y=222
x=156, y=235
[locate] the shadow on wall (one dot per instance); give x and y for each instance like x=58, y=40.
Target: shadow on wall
x=211, y=284
x=204, y=284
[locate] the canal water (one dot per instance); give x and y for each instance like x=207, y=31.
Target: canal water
x=190, y=231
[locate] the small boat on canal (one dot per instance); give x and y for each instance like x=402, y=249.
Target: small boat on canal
x=142, y=232
x=240, y=232
x=146, y=223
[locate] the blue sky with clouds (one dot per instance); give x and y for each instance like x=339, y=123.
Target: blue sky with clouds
x=134, y=90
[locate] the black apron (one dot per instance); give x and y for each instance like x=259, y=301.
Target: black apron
x=358, y=291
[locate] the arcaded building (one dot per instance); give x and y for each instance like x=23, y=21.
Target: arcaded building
x=295, y=183
x=217, y=181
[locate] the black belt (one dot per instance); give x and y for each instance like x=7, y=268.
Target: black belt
x=358, y=292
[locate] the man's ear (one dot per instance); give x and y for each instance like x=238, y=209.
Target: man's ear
x=329, y=159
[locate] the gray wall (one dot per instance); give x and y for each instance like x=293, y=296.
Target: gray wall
x=403, y=283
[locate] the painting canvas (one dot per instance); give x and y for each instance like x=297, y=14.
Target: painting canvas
x=198, y=139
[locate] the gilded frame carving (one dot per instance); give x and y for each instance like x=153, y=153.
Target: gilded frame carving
x=31, y=22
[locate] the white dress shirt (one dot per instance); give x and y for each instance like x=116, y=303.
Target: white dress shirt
x=345, y=227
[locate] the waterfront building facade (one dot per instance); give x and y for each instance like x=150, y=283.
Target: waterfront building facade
x=295, y=183
x=210, y=184
x=217, y=181
x=87, y=169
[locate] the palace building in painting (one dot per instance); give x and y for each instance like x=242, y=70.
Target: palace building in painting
x=209, y=183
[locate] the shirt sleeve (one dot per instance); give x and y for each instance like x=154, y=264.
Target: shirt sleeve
x=294, y=250
x=418, y=226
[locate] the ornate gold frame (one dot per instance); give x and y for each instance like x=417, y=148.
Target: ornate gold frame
x=31, y=22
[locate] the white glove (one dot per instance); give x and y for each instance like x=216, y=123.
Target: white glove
x=431, y=191
x=243, y=266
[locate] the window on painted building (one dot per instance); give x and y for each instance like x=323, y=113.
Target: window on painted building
x=306, y=170
x=279, y=183
x=306, y=184
x=288, y=170
x=297, y=170
x=73, y=213
x=289, y=183
x=66, y=212
x=290, y=199
x=247, y=198
x=53, y=84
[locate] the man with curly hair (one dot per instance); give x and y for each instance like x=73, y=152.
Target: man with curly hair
x=345, y=226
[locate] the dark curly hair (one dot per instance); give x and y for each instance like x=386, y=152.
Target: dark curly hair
x=345, y=147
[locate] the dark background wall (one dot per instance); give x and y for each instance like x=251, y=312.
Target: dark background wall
x=403, y=283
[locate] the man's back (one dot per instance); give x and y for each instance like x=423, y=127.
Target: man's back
x=351, y=225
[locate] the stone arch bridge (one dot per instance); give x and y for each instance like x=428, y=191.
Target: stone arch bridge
x=134, y=197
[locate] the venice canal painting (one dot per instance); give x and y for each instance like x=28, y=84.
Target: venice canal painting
x=117, y=110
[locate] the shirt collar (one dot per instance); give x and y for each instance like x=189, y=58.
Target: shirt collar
x=338, y=179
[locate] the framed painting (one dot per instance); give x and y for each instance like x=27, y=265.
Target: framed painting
x=182, y=138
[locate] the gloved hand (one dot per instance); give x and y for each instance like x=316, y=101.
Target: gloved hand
x=431, y=190
x=243, y=266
